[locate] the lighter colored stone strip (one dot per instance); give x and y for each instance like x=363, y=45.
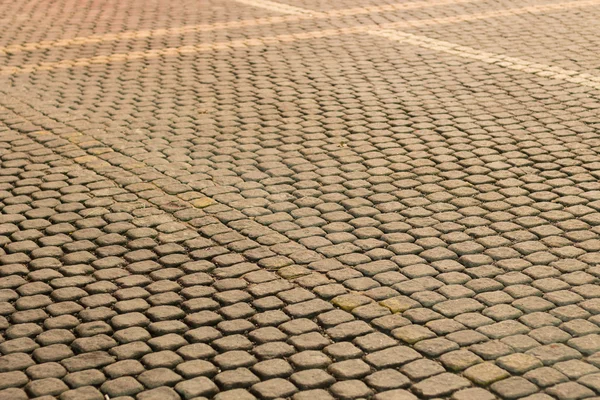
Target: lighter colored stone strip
x=176, y=51
x=416, y=40
x=278, y=7
x=514, y=63
x=269, y=5
x=394, y=7
x=294, y=17
x=141, y=34
x=536, y=9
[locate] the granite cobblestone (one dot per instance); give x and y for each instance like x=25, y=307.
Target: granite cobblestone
x=335, y=216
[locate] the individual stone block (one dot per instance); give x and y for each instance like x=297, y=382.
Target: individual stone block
x=485, y=374
x=440, y=385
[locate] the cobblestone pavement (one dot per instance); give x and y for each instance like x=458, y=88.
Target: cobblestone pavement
x=300, y=199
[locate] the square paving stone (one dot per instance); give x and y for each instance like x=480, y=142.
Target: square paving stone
x=397, y=394
x=194, y=368
x=159, y=377
x=435, y=347
x=200, y=386
x=545, y=376
x=587, y=345
x=309, y=359
x=387, y=379
x=520, y=343
x=47, y=386
x=570, y=390
x=13, y=394
x=351, y=389
x=234, y=359
x=13, y=379
x=274, y=388
x=123, y=386
x=591, y=381
x=309, y=341
x=312, y=378
x=160, y=393
x=421, y=369
x=413, y=333
x=235, y=394
x=315, y=394
x=83, y=393
x=238, y=378
x=473, y=394
x=491, y=350
x=392, y=357
x=440, y=385
x=349, y=369
x=459, y=360
x=276, y=368
x=553, y=353
x=514, y=388
x=85, y=378
x=485, y=374
x=349, y=330
x=518, y=363
x=575, y=369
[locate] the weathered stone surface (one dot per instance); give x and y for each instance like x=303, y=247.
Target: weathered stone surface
x=340, y=210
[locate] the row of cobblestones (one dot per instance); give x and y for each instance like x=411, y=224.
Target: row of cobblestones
x=138, y=302
x=411, y=255
x=151, y=313
x=369, y=218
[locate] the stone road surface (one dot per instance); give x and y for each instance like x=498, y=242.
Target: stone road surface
x=299, y=199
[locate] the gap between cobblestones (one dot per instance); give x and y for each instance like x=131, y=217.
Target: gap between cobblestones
x=443, y=383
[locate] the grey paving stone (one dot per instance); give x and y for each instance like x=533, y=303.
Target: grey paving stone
x=350, y=389
x=421, y=369
x=439, y=385
x=86, y=392
x=274, y=388
x=570, y=390
x=195, y=387
x=159, y=393
x=391, y=357
x=123, y=386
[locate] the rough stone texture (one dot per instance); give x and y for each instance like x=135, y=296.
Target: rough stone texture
x=303, y=199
